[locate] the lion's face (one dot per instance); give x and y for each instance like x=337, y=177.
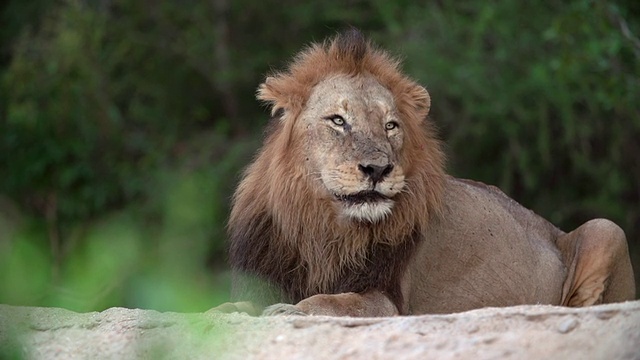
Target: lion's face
x=353, y=138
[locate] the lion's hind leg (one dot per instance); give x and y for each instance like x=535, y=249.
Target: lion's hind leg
x=598, y=265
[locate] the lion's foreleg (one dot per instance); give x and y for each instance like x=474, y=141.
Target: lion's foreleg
x=598, y=264
x=368, y=304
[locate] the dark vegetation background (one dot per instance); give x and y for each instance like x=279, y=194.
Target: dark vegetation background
x=124, y=125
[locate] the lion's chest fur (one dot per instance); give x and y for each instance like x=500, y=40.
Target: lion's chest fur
x=380, y=266
x=312, y=264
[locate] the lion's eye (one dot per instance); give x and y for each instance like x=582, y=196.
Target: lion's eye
x=336, y=119
x=391, y=125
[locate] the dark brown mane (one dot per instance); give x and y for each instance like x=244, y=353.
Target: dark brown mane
x=283, y=233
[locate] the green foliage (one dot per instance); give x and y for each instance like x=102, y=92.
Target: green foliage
x=75, y=129
x=538, y=99
x=25, y=268
x=124, y=125
x=153, y=255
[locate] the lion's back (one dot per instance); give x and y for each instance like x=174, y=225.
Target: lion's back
x=484, y=250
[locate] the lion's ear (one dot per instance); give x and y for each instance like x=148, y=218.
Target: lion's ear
x=421, y=100
x=268, y=93
x=277, y=92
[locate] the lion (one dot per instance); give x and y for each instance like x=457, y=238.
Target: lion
x=347, y=209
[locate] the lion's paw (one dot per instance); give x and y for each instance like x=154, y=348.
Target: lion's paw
x=237, y=307
x=282, y=309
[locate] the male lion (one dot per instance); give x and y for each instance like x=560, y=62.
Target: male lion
x=347, y=209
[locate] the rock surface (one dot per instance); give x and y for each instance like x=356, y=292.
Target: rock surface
x=522, y=332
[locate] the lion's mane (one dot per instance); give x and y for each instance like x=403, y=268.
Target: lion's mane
x=285, y=233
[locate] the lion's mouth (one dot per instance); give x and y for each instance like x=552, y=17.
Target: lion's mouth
x=362, y=197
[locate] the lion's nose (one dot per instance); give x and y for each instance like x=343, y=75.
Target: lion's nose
x=375, y=172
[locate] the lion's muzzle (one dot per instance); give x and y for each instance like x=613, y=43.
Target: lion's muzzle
x=365, y=190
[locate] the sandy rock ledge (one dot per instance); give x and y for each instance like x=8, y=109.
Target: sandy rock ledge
x=522, y=332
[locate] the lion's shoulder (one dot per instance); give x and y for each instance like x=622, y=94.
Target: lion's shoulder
x=480, y=204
